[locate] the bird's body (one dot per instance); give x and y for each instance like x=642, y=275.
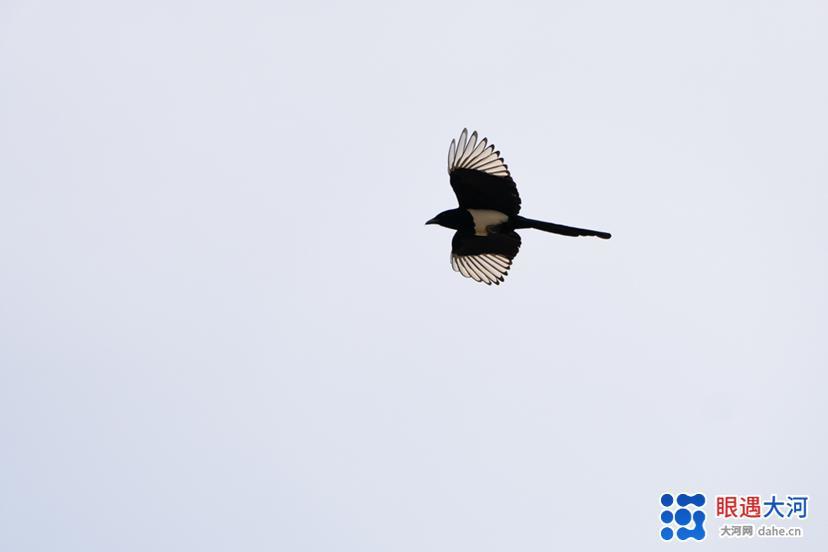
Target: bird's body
x=485, y=241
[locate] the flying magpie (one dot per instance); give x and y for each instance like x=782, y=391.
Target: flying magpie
x=485, y=241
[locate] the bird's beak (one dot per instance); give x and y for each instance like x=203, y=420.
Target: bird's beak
x=431, y=221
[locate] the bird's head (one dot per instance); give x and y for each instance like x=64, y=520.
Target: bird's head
x=453, y=218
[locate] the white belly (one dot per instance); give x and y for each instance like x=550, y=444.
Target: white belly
x=484, y=218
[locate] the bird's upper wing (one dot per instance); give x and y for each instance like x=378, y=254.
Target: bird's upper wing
x=485, y=259
x=480, y=177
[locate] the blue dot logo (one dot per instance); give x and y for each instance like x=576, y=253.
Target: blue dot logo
x=684, y=522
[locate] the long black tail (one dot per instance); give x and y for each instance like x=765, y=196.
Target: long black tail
x=521, y=222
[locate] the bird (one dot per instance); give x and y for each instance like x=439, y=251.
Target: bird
x=485, y=241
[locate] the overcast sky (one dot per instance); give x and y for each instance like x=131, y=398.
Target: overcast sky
x=224, y=326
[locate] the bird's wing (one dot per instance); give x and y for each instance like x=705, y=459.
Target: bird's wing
x=480, y=177
x=485, y=259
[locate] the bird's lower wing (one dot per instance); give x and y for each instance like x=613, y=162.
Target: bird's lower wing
x=484, y=259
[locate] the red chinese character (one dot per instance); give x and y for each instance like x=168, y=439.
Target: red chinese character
x=750, y=507
x=726, y=506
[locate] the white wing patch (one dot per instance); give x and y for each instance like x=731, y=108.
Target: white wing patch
x=484, y=218
x=468, y=153
x=488, y=268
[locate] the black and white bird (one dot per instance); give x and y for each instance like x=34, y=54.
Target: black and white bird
x=485, y=241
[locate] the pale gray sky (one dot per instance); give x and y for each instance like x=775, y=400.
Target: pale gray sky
x=223, y=325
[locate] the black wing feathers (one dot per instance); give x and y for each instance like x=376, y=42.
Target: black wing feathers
x=479, y=176
x=485, y=259
x=479, y=190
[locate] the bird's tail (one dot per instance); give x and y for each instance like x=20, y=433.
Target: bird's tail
x=522, y=222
